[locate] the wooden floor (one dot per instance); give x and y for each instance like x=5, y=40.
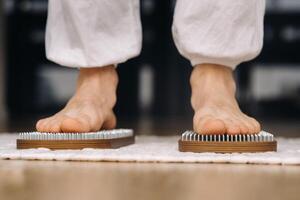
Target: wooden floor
x=47, y=180
x=53, y=180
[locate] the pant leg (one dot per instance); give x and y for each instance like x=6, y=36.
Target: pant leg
x=92, y=33
x=225, y=32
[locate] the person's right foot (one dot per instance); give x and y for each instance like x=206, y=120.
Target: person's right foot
x=91, y=107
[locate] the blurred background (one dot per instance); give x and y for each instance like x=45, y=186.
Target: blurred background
x=154, y=93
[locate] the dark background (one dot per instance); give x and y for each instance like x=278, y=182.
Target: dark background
x=154, y=87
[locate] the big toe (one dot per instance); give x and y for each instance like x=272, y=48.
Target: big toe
x=210, y=126
x=70, y=124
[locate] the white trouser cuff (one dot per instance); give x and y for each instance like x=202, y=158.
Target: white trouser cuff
x=93, y=33
x=224, y=32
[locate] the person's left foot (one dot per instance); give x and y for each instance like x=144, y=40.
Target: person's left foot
x=214, y=103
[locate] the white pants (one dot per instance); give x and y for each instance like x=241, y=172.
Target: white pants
x=95, y=33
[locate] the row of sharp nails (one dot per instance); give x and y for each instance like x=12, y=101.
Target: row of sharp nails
x=262, y=136
x=76, y=136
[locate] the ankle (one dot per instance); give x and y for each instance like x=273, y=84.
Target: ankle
x=98, y=76
x=212, y=75
x=211, y=84
x=97, y=83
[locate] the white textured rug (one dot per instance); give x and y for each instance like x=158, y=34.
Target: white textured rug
x=153, y=149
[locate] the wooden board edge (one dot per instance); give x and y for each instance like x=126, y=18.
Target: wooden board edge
x=75, y=144
x=226, y=147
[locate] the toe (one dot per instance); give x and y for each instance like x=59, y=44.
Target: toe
x=38, y=125
x=41, y=125
x=233, y=129
x=244, y=129
x=208, y=125
x=49, y=123
x=255, y=124
x=70, y=124
x=245, y=126
x=110, y=122
x=54, y=126
x=252, y=126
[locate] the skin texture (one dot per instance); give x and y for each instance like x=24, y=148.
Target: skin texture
x=213, y=100
x=90, y=108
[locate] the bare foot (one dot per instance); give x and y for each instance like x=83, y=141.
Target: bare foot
x=214, y=103
x=90, y=109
